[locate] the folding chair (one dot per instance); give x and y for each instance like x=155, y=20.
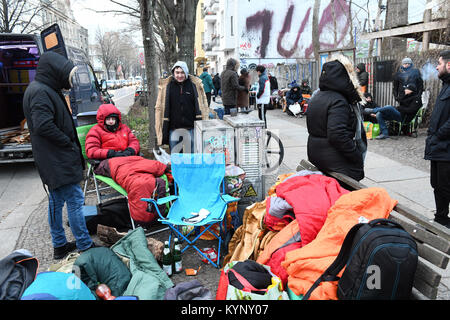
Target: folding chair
x=199, y=184
x=410, y=127
x=82, y=132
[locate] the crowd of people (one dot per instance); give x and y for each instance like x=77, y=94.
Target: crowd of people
x=337, y=140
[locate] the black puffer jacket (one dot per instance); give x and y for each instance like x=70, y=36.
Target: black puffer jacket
x=437, y=145
x=56, y=149
x=332, y=124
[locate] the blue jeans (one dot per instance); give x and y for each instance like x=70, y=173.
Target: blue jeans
x=386, y=113
x=177, y=143
x=73, y=196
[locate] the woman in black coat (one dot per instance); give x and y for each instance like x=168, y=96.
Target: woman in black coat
x=337, y=140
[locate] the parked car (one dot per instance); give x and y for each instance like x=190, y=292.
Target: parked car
x=111, y=84
x=118, y=84
x=140, y=92
x=20, y=56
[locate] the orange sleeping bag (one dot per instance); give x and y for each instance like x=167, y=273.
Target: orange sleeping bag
x=305, y=265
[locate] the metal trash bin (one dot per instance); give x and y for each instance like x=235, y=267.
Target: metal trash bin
x=215, y=136
x=249, y=136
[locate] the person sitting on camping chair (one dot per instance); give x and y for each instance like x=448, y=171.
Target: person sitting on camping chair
x=115, y=151
x=294, y=96
x=110, y=137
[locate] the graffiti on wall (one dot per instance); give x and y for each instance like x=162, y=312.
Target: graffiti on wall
x=286, y=32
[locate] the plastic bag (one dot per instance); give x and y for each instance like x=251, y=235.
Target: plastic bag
x=161, y=155
x=295, y=108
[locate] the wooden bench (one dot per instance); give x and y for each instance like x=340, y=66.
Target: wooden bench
x=433, y=239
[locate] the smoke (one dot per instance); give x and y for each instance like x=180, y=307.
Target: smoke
x=429, y=72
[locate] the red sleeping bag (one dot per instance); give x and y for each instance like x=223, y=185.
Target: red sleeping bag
x=137, y=176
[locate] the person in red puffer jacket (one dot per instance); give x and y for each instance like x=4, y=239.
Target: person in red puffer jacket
x=110, y=137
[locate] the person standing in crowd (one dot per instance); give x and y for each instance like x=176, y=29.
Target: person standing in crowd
x=208, y=85
x=263, y=94
x=273, y=82
x=230, y=85
x=243, y=97
x=337, y=140
x=437, y=145
x=57, y=151
x=406, y=75
x=181, y=101
x=305, y=88
x=363, y=76
x=410, y=103
x=216, y=82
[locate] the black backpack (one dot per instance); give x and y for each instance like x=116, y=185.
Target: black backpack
x=380, y=260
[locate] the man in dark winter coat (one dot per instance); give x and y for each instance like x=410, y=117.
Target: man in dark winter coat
x=363, y=76
x=406, y=75
x=305, y=88
x=230, y=85
x=437, y=147
x=410, y=103
x=56, y=149
x=337, y=140
x=216, y=82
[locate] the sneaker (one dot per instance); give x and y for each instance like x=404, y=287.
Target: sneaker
x=381, y=136
x=61, y=252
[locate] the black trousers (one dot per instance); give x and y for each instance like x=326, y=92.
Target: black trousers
x=440, y=181
x=262, y=109
x=208, y=97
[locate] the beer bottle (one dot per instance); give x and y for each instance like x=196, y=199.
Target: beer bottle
x=167, y=259
x=177, y=257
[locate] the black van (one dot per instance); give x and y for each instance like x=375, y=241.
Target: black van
x=19, y=56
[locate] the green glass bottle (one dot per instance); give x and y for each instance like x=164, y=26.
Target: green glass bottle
x=177, y=264
x=167, y=259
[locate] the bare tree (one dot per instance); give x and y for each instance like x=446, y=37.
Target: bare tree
x=315, y=30
x=20, y=16
x=183, y=17
x=147, y=10
x=106, y=49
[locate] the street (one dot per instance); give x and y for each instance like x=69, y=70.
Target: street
x=123, y=98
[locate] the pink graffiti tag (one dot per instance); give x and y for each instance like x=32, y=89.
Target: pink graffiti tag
x=263, y=20
x=287, y=28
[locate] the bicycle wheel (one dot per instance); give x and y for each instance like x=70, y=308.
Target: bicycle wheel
x=274, y=151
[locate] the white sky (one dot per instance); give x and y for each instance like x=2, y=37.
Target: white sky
x=105, y=21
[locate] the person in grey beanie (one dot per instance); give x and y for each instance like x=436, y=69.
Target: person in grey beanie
x=407, y=74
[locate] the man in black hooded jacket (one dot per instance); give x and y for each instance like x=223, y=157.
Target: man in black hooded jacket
x=56, y=150
x=437, y=147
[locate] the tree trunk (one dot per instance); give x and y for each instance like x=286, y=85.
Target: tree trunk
x=147, y=8
x=396, y=16
x=186, y=44
x=315, y=30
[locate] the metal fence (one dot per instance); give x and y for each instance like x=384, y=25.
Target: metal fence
x=381, y=70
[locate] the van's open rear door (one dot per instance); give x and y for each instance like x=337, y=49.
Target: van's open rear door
x=52, y=40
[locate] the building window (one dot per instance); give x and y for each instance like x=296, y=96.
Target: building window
x=232, y=31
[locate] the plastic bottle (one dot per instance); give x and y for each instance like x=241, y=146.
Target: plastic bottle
x=177, y=264
x=167, y=259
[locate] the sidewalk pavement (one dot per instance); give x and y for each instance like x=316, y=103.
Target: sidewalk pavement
x=410, y=186
x=406, y=184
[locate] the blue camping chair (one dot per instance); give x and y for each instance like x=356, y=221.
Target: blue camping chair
x=199, y=180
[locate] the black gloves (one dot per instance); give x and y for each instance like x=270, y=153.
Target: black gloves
x=129, y=151
x=124, y=153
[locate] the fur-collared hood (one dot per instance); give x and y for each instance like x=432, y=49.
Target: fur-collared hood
x=338, y=74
